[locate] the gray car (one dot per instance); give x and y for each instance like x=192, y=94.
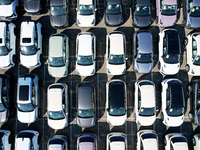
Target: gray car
x=143, y=51
x=85, y=105
x=191, y=12
x=33, y=7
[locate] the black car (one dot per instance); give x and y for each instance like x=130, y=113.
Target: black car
x=33, y=7
x=142, y=13
x=59, y=17
x=113, y=14
x=194, y=92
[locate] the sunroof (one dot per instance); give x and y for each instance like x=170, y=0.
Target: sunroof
x=23, y=92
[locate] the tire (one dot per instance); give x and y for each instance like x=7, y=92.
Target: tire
x=187, y=68
x=193, y=142
x=190, y=115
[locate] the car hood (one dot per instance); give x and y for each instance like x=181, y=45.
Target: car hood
x=173, y=121
x=143, y=67
x=85, y=70
x=6, y=10
x=168, y=20
x=85, y=20
x=57, y=124
x=4, y=61
x=3, y=116
x=169, y=69
x=116, y=120
x=57, y=71
x=142, y=21
x=146, y=121
x=59, y=21
x=194, y=70
x=194, y=21
x=116, y=69
x=26, y=117
x=114, y=19
x=28, y=61
x=85, y=122
x=32, y=6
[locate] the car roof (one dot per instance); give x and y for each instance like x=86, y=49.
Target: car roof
x=85, y=44
x=56, y=46
x=85, y=2
x=54, y=99
x=85, y=96
x=57, y=2
x=27, y=31
x=147, y=47
x=170, y=2
x=114, y=1
x=55, y=147
x=86, y=146
x=117, y=145
x=23, y=143
x=143, y=2
x=2, y=33
x=116, y=43
x=147, y=96
x=150, y=144
x=196, y=3
x=180, y=145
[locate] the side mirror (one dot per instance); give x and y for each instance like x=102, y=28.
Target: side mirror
x=95, y=9
x=126, y=58
x=178, y=9
x=76, y=9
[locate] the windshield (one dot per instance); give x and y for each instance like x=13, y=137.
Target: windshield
x=3, y=51
x=28, y=50
x=171, y=58
x=86, y=9
x=117, y=111
x=116, y=59
x=113, y=9
x=5, y=2
x=2, y=107
x=56, y=62
x=56, y=115
x=195, y=12
x=142, y=11
x=144, y=58
x=58, y=10
x=178, y=139
x=25, y=107
x=86, y=113
x=197, y=60
x=147, y=111
x=168, y=10
x=176, y=111
x=85, y=60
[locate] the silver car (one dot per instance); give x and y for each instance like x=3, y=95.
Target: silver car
x=58, y=142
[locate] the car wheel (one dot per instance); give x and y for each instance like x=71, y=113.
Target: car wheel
x=193, y=142
x=187, y=68
x=190, y=115
x=186, y=41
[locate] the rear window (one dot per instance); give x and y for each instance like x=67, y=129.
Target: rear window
x=117, y=139
x=86, y=139
x=23, y=92
x=26, y=40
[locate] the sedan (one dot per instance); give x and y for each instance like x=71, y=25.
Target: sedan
x=33, y=7
x=86, y=141
x=58, y=142
x=5, y=136
x=8, y=9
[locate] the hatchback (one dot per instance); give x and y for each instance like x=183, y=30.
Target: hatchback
x=8, y=9
x=86, y=141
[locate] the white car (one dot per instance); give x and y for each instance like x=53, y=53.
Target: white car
x=116, y=141
x=173, y=102
x=169, y=51
x=193, y=54
x=30, y=44
x=175, y=141
x=145, y=102
x=8, y=9
x=7, y=45
x=27, y=140
x=147, y=140
x=85, y=54
x=116, y=102
x=196, y=141
x=86, y=13
x=57, y=105
x=4, y=134
x=116, y=53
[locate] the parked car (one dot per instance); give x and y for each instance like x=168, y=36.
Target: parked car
x=191, y=13
x=169, y=51
x=85, y=54
x=28, y=98
x=59, y=16
x=30, y=44
x=116, y=102
x=58, y=142
x=5, y=97
x=86, y=13
x=57, y=105
x=58, y=60
x=7, y=45
x=142, y=12
x=86, y=105
x=145, y=102
x=86, y=141
x=5, y=135
x=113, y=13
x=166, y=12
x=116, y=53
x=147, y=139
x=116, y=140
x=173, y=102
x=143, y=53
x=8, y=9
x=194, y=90
x=27, y=140
x=193, y=54
x=196, y=141
x=175, y=141
x=33, y=7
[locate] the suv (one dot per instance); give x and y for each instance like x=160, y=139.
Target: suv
x=85, y=54
x=58, y=60
x=173, y=102
x=169, y=51
x=27, y=140
x=27, y=98
x=57, y=105
x=58, y=142
x=8, y=9
x=86, y=105
x=7, y=45
x=145, y=102
x=116, y=53
x=33, y=7
x=4, y=140
x=86, y=13
x=116, y=102
x=86, y=141
x=30, y=44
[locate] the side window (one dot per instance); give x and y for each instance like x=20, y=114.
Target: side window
x=108, y=46
x=93, y=47
x=161, y=4
x=141, y=145
x=194, y=48
x=168, y=99
x=63, y=100
x=171, y=147
x=190, y=4
x=4, y=94
x=139, y=99
x=7, y=38
x=33, y=93
x=164, y=46
x=137, y=47
x=36, y=38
